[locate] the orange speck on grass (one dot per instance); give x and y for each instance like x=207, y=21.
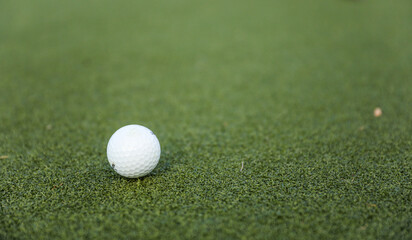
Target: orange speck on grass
x=377, y=112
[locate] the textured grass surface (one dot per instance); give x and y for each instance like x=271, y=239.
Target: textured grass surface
x=287, y=88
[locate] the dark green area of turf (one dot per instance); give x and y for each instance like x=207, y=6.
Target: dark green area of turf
x=287, y=88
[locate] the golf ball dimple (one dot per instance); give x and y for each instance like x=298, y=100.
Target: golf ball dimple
x=133, y=151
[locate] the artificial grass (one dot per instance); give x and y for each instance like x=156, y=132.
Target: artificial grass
x=285, y=89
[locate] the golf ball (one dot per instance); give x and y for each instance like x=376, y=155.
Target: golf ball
x=133, y=151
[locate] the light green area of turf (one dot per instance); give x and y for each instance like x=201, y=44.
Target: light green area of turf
x=287, y=88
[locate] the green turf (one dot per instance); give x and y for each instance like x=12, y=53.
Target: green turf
x=287, y=88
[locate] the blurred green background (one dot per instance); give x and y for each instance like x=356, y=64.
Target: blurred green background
x=286, y=88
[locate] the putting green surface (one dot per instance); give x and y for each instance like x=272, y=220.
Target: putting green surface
x=264, y=111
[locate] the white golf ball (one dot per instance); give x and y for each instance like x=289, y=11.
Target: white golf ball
x=133, y=151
